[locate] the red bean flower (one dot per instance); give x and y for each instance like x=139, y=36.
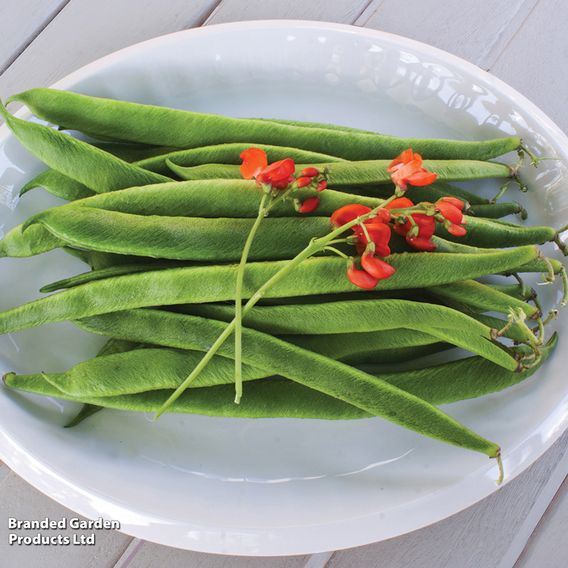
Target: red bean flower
x=309, y=205
x=361, y=278
x=254, y=161
x=450, y=208
x=407, y=169
x=375, y=229
x=279, y=175
x=418, y=232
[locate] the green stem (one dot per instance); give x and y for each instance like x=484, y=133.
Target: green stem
x=262, y=210
x=316, y=245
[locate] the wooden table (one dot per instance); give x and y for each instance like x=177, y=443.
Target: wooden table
x=523, y=42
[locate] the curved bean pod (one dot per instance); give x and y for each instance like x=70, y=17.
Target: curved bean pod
x=498, y=210
x=185, y=129
x=213, y=198
x=180, y=238
x=482, y=297
x=59, y=185
x=361, y=172
x=391, y=346
x=324, y=275
x=361, y=316
x=282, y=398
x=96, y=169
x=333, y=378
x=67, y=188
x=229, y=154
x=142, y=370
x=35, y=239
x=492, y=233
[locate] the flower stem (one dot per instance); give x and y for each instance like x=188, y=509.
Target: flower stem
x=316, y=245
x=239, y=299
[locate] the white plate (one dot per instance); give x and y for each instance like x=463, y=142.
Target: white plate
x=271, y=487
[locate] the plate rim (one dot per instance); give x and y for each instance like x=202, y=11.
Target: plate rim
x=24, y=464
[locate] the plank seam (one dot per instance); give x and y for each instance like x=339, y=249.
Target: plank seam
x=319, y=560
x=363, y=10
x=211, y=14
x=129, y=553
x=537, y=511
x=540, y=524
x=513, y=36
x=32, y=38
x=368, y=12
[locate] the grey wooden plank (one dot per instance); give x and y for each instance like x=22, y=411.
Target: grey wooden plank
x=548, y=546
x=538, y=510
x=21, y=21
x=152, y=555
x=345, y=11
x=88, y=29
x=473, y=29
x=20, y=501
x=4, y=471
x=478, y=536
x=534, y=60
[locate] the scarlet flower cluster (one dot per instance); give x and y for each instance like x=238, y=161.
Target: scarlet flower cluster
x=280, y=176
x=415, y=222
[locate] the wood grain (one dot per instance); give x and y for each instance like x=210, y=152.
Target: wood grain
x=477, y=537
x=21, y=21
x=474, y=30
x=548, y=546
x=534, y=61
x=21, y=501
x=343, y=11
x=88, y=29
x=152, y=555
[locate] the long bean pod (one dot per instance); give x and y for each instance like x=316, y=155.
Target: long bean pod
x=283, y=398
x=169, y=127
x=330, y=377
x=95, y=168
x=436, y=384
x=67, y=188
x=482, y=297
x=180, y=238
x=445, y=324
x=324, y=275
x=362, y=172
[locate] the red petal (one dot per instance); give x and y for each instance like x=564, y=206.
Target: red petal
x=254, y=161
x=379, y=233
x=309, y=205
x=347, y=213
x=383, y=216
x=361, y=278
x=453, y=201
x=310, y=172
x=321, y=185
x=449, y=212
x=457, y=230
x=403, y=158
x=421, y=243
x=399, y=203
x=426, y=224
x=419, y=179
x=376, y=267
x=303, y=181
x=278, y=171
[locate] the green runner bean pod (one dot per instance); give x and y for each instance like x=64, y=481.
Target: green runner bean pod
x=362, y=172
x=333, y=378
x=96, y=169
x=324, y=275
x=169, y=127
